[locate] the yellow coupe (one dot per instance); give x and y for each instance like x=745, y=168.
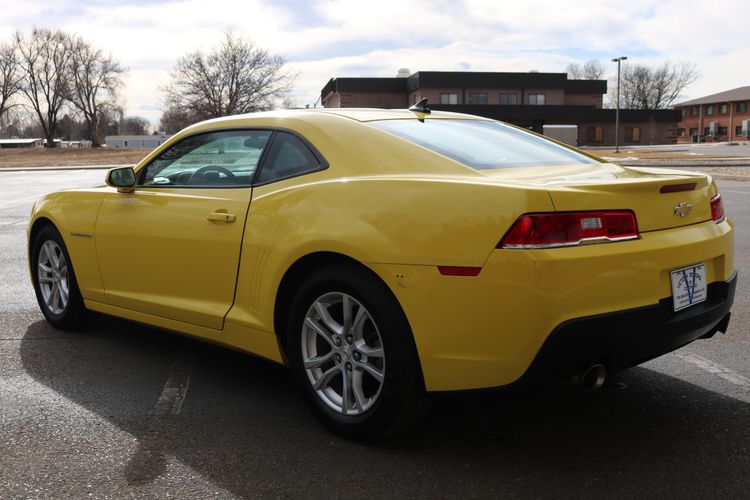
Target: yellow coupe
x=384, y=254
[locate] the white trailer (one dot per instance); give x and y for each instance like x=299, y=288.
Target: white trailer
x=563, y=133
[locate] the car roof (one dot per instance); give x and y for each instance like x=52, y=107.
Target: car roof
x=321, y=114
x=371, y=114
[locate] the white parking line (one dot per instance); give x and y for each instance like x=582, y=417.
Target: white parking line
x=716, y=369
x=735, y=192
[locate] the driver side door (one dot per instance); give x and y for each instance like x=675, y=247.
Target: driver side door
x=171, y=248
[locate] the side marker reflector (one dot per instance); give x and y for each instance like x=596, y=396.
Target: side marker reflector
x=459, y=270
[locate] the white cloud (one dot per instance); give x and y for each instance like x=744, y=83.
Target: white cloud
x=355, y=38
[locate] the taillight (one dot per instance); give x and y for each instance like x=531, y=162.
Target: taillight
x=570, y=228
x=717, y=209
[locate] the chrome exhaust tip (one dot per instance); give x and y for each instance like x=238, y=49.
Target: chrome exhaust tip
x=593, y=377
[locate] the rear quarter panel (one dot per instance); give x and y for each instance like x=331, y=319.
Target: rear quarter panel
x=397, y=220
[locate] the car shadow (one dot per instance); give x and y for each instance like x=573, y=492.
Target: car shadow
x=243, y=426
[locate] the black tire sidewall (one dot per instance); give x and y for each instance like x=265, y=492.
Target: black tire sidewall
x=403, y=379
x=72, y=315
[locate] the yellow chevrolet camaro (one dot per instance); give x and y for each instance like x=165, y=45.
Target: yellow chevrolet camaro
x=384, y=254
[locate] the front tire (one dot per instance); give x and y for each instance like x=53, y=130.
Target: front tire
x=352, y=354
x=55, y=282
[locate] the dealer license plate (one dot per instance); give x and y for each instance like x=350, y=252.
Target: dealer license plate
x=689, y=286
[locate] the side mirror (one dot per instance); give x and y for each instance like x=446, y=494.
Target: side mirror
x=122, y=178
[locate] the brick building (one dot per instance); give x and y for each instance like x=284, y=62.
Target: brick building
x=529, y=100
x=718, y=117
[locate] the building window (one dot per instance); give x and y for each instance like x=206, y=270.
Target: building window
x=595, y=134
x=738, y=130
x=722, y=131
x=694, y=110
x=742, y=107
x=508, y=99
x=693, y=132
x=478, y=98
x=723, y=109
x=709, y=109
x=706, y=131
x=536, y=99
x=632, y=134
x=448, y=98
x=680, y=132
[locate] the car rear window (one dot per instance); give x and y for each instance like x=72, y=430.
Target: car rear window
x=482, y=144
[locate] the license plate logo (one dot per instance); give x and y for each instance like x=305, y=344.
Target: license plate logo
x=689, y=286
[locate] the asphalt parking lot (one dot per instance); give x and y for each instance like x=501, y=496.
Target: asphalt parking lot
x=123, y=410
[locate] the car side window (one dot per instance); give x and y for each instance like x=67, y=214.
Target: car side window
x=287, y=156
x=216, y=159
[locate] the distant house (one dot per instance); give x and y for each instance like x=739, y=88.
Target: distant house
x=717, y=117
x=21, y=143
x=135, y=141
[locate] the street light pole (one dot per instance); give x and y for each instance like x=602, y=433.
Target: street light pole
x=618, y=60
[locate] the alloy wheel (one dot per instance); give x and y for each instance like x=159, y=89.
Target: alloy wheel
x=342, y=353
x=52, y=275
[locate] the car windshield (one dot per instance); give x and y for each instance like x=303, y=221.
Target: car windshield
x=483, y=144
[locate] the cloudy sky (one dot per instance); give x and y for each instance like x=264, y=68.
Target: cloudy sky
x=325, y=38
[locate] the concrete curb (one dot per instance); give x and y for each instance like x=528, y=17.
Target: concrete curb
x=727, y=177
x=63, y=167
x=678, y=163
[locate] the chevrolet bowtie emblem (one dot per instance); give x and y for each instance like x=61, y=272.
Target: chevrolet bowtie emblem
x=682, y=209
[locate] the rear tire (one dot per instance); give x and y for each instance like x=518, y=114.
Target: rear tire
x=55, y=282
x=352, y=354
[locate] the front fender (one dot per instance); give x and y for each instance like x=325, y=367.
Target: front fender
x=73, y=213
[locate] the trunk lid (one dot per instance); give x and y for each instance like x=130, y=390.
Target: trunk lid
x=611, y=187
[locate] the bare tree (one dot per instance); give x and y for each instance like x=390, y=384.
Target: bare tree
x=174, y=119
x=95, y=79
x=44, y=57
x=591, y=70
x=134, y=125
x=10, y=78
x=236, y=77
x=644, y=87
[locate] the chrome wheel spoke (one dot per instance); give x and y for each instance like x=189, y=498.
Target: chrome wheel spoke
x=358, y=390
x=320, y=331
x=346, y=390
x=325, y=379
x=347, y=304
x=316, y=361
x=45, y=268
x=358, y=324
x=370, y=351
x=54, y=259
x=374, y=372
x=45, y=279
x=327, y=319
x=64, y=292
x=54, y=297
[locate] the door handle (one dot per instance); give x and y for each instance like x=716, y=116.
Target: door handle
x=221, y=217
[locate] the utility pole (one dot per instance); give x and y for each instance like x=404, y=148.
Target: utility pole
x=618, y=60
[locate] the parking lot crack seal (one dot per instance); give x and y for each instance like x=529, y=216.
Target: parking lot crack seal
x=149, y=461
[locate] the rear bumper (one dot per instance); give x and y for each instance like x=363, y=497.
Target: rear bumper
x=626, y=338
x=487, y=330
